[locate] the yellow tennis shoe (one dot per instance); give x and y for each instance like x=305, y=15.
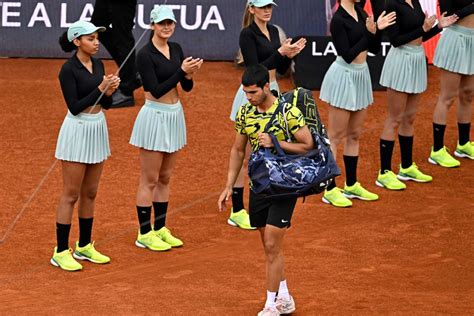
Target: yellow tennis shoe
x=465, y=151
x=357, y=191
x=64, y=260
x=336, y=197
x=88, y=252
x=443, y=158
x=151, y=241
x=240, y=219
x=165, y=234
x=413, y=173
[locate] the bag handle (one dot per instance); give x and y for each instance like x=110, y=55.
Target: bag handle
x=276, y=146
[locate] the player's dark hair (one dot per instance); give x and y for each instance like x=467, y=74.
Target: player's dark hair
x=66, y=45
x=256, y=75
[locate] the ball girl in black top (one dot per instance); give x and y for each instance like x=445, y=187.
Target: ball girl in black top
x=405, y=75
x=259, y=43
x=347, y=87
x=455, y=58
x=160, y=130
x=83, y=142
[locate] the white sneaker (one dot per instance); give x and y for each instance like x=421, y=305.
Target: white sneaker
x=285, y=306
x=269, y=311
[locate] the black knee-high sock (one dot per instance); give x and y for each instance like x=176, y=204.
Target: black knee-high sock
x=350, y=163
x=406, y=150
x=464, y=129
x=85, y=231
x=144, y=218
x=62, y=236
x=438, y=136
x=386, y=151
x=160, y=214
x=331, y=185
x=237, y=199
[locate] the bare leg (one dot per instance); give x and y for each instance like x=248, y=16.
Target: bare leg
x=408, y=118
x=73, y=175
x=273, y=243
x=338, y=122
x=449, y=90
x=354, y=130
x=464, y=110
x=90, y=186
x=397, y=102
x=150, y=162
x=162, y=189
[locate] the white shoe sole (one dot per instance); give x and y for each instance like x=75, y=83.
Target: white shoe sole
x=433, y=162
x=328, y=202
x=231, y=223
x=140, y=245
x=379, y=184
x=399, y=177
x=350, y=196
x=57, y=265
x=460, y=155
x=54, y=263
x=79, y=257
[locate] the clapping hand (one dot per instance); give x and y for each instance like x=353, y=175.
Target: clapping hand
x=445, y=21
x=370, y=24
x=109, y=84
x=385, y=20
x=291, y=50
x=191, y=65
x=429, y=22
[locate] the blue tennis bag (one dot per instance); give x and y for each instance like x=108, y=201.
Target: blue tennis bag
x=276, y=174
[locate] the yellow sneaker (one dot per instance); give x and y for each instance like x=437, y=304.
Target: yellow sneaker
x=389, y=180
x=64, y=260
x=151, y=241
x=357, y=191
x=165, y=235
x=240, y=219
x=465, y=151
x=413, y=173
x=336, y=198
x=443, y=158
x=88, y=252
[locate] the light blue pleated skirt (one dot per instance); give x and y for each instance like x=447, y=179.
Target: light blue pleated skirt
x=455, y=50
x=405, y=69
x=241, y=99
x=83, y=138
x=347, y=86
x=160, y=127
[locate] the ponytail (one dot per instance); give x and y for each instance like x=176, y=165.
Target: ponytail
x=248, y=17
x=65, y=44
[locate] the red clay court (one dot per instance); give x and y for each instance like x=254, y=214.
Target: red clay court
x=411, y=253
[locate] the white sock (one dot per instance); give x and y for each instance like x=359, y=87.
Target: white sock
x=271, y=298
x=283, y=291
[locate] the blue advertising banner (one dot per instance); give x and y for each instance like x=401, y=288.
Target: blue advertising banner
x=206, y=28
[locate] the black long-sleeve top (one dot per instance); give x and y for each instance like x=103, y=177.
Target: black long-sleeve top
x=80, y=87
x=160, y=74
x=461, y=8
x=378, y=6
x=351, y=37
x=257, y=49
x=409, y=24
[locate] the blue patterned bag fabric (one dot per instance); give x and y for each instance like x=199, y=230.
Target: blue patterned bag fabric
x=275, y=174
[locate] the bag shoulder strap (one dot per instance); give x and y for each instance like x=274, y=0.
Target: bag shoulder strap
x=277, y=110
